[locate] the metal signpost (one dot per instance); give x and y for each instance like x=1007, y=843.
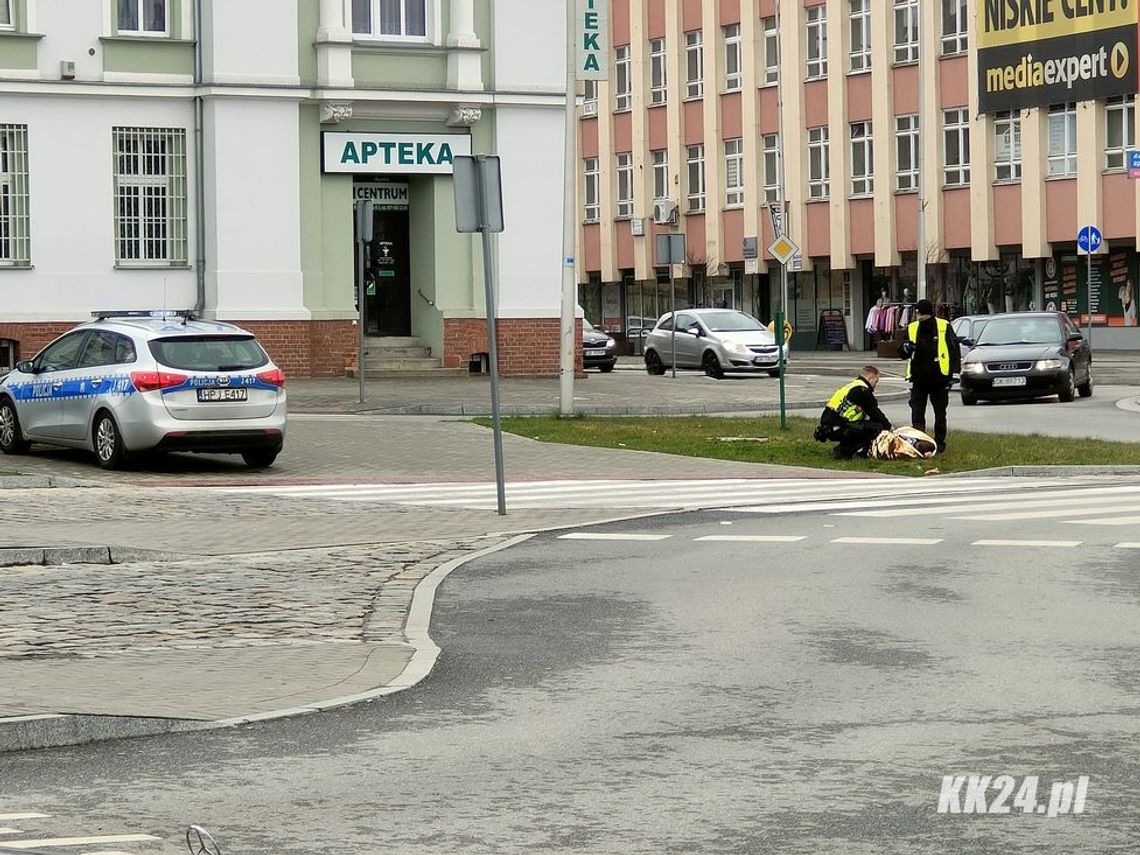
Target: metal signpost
x=784, y=250
x=671, y=250
x=479, y=208
x=1088, y=241
x=364, y=217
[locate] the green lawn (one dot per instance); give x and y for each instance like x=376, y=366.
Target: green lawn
x=760, y=440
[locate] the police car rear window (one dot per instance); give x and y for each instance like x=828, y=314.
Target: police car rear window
x=209, y=353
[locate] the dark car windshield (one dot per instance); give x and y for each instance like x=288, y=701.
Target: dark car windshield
x=730, y=321
x=1014, y=330
x=209, y=353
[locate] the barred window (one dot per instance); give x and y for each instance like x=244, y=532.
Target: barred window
x=15, y=245
x=142, y=17
x=150, y=195
x=389, y=19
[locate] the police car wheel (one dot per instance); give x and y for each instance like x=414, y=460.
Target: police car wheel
x=11, y=437
x=108, y=443
x=259, y=458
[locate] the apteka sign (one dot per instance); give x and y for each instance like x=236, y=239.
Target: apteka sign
x=392, y=154
x=591, y=40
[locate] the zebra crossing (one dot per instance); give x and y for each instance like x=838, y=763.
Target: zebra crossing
x=23, y=831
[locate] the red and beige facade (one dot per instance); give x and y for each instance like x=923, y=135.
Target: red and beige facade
x=705, y=99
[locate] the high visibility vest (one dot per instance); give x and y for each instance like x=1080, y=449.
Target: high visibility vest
x=943, y=347
x=847, y=410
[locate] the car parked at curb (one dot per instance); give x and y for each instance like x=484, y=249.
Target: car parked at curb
x=717, y=341
x=599, y=350
x=147, y=381
x=1027, y=355
x=967, y=328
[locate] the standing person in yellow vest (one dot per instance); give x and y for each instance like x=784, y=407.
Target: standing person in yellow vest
x=934, y=357
x=852, y=417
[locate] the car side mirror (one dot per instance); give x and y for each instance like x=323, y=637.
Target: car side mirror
x=693, y=329
x=1076, y=337
x=26, y=367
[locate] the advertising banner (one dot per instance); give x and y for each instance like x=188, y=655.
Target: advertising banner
x=1108, y=289
x=1032, y=53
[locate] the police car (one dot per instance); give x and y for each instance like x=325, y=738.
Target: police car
x=141, y=381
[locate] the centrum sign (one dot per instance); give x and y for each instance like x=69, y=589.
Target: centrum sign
x=1037, y=52
x=389, y=154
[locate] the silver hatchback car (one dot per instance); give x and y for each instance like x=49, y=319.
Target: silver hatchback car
x=714, y=340
x=141, y=381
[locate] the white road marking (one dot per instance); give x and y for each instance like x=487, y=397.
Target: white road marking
x=1090, y=506
x=1020, y=500
x=1059, y=543
x=79, y=841
x=755, y=538
x=586, y=535
x=6, y=830
x=904, y=541
x=12, y=817
x=1127, y=546
x=1132, y=520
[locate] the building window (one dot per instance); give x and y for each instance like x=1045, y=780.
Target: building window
x=6, y=21
x=590, y=98
x=696, y=163
x=732, y=61
x=819, y=163
x=694, y=65
x=1119, y=130
x=625, y=184
x=150, y=195
x=860, y=35
x=906, y=152
x=771, y=51
x=1007, y=146
x=1063, y=139
x=140, y=17
x=770, y=159
x=15, y=245
x=621, y=78
x=862, y=160
x=956, y=145
x=660, y=158
x=591, y=209
x=906, y=30
x=733, y=173
x=954, y=38
x=817, y=41
x=389, y=19
x=657, y=80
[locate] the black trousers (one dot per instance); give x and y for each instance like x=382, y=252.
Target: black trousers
x=938, y=396
x=856, y=437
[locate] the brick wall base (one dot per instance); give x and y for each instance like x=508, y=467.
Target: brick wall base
x=528, y=347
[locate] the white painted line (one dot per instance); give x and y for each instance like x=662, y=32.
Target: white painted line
x=109, y=852
x=912, y=497
x=1039, y=499
x=902, y=541
x=1066, y=543
x=753, y=538
x=79, y=841
x=5, y=830
x=40, y=717
x=1127, y=546
x=1091, y=507
x=11, y=817
x=1132, y=520
x=586, y=535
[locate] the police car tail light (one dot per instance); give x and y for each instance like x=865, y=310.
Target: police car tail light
x=149, y=381
x=276, y=377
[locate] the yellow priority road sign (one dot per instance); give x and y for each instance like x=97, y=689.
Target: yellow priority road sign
x=783, y=248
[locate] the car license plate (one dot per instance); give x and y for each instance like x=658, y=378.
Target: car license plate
x=1009, y=381
x=596, y=352
x=222, y=394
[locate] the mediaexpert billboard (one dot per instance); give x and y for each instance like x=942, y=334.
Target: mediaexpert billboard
x=1032, y=53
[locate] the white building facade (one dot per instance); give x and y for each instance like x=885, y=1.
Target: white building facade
x=176, y=153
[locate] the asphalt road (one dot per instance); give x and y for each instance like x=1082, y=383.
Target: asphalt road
x=685, y=695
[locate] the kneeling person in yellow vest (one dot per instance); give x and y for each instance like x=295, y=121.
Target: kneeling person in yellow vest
x=852, y=417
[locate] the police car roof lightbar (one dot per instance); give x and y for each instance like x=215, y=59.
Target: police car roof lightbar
x=185, y=314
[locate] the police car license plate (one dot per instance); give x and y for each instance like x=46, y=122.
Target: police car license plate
x=597, y=352
x=1009, y=381
x=222, y=394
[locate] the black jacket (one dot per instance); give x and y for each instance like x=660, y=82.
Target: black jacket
x=924, y=366
x=864, y=396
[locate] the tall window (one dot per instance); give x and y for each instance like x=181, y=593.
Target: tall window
x=1007, y=146
x=660, y=158
x=15, y=248
x=389, y=19
x=860, y=35
x=694, y=64
x=956, y=143
x=733, y=173
x=625, y=184
x=732, y=60
x=1119, y=130
x=6, y=14
x=817, y=41
x=862, y=160
x=771, y=53
x=696, y=164
x=770, y=159
x=621, y=78
x=150, y=195
x=906, y=153
x=591, y=205
x=819, y=163
x=954, y=38
x=906, y=30
x=590, y=98
x=139, y=17
x=657, y=81
x=1063, y=139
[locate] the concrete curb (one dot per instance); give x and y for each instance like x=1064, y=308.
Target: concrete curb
x=1046, y=471
x=23, y=733
x=28, y=556
x=40, y=482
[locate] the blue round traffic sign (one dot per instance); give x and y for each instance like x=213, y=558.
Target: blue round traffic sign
x=1088, y=239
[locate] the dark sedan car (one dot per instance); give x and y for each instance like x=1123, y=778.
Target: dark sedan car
x=1028, y=355
x=598, y=349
